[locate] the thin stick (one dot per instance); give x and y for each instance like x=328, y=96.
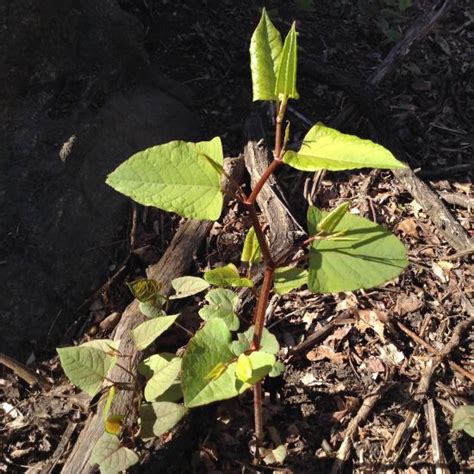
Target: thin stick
x=438, y=457
x=447, y=349
x=351, y=432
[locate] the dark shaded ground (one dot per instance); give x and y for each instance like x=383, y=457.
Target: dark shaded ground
x=431, y=96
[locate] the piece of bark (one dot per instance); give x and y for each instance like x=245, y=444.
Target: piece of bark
x=175, y=262
x=284, y=229
x=457, y=199
x=446, y=224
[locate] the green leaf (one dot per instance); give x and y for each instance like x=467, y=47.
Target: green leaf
x=160, y=373
x=265, y=51
x=251, y=252
x=173, y=394
x=329, y=223
x=111, y=456
x=159, y=417
x=227, y=276
x=87, y=365
x=277, y=369
x=208, y=370
x=286, y=279
x=261, y=364
x=244, y=369
x=464, y=419
x=374, y=257
x=144, y=290
x=151, y=310
x=208, y=349
x=144, y=334
x=188, y=286
x=174, y=177
x=286, y=78
x=275, y=456
x=268, y=343
x=221, y=305
x=326, y=148
x=107, y=345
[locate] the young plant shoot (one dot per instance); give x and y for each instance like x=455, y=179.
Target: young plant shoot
x=223, y=360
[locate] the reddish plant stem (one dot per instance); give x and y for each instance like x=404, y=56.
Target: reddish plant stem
x=262, y=303
x=277, y=154
x=274, y=165
x=259, y=318
x=257, y=404
x=267, y=257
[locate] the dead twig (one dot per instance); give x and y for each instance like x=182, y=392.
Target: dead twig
x=23, y=371
x=455, y=367
x=458, y=200
x=395, y=446
x=438, y=456
x=368, y=404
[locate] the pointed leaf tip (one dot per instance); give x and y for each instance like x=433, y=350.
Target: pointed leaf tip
x=265, y=52
x=285, y=86
x=326, y=148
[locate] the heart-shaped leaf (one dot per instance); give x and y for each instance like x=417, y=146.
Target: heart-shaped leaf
x=160, y=373
x=144, y=290
x=286, y=279
x=176, y=177
x=227, y=276
x=144, y=334
x=268, y=343
x=188, y=286
x=159, y=417
x=372, y=256
x=87, y=365
x=326, y=148
x=221, y=305
x=111, y=456
x=208, y=369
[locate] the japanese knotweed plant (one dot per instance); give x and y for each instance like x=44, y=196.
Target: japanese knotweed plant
x=345, y=253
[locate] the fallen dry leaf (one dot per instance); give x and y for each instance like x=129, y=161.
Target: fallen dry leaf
x=407, y=304
x=325, y=352
x=374, y=365
x=441, y=274
x=391, y=355
x=408, y=227
x=337, y=336
x=370, y=319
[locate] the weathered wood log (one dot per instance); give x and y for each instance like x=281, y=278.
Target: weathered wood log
x=284, y=229
x=175, y=262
